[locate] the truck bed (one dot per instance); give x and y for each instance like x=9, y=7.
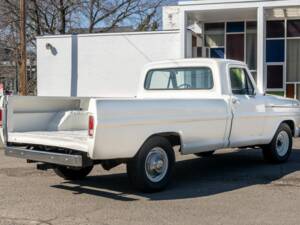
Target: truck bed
x=48, y=121
x=65, y=139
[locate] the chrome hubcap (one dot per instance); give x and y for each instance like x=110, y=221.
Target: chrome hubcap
x=156, y=165
x=282, y=143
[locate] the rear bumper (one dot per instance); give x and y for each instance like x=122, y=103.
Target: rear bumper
x=46, y=157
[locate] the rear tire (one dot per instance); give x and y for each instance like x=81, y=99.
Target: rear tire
x=280, y=148
x=205, y=154
x=72, y=173
x=151, y=169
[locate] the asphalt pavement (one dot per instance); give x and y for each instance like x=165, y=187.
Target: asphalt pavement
x=232, y=187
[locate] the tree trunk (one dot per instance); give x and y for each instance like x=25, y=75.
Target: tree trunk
x=37, y=17
x=62, y=15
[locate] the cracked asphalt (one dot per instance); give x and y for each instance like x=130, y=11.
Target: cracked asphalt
x=232, y=187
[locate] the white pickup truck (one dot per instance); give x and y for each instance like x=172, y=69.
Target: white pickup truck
x=194, y=105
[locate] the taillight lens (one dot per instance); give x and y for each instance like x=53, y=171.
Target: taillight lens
x=1, y=117
x=91, y=126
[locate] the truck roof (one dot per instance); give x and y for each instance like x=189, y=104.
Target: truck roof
x=191, y=62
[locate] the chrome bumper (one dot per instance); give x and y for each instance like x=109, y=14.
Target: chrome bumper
x=46, y=157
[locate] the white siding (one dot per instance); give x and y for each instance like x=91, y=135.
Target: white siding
x=109, y=65
x=54, y=71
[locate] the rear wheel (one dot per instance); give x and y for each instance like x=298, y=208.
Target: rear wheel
x=72, y=173
x=151, y=169
x=279, y=150
x=205, y=154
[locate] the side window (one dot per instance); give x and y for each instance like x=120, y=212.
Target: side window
x=240, y=82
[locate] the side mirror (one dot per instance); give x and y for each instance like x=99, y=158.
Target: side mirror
x=253, y=95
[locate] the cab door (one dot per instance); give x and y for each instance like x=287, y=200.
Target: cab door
x=248, y=108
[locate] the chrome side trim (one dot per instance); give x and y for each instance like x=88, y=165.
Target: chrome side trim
x=283, y=106
x=47, y=157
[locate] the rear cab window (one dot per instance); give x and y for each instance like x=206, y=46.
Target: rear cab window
x=196, y=78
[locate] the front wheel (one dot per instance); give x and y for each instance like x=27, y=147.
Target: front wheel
x=73, y=173
x=151, y=169
x=279, y=150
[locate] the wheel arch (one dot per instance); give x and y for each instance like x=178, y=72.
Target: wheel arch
x=291, y=123
x=275, y=126
x=174, y=138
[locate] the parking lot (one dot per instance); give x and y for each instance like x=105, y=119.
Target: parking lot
x=235, y=187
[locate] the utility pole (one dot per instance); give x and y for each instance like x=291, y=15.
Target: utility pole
x=23, y=57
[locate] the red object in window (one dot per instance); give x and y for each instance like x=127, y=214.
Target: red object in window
x=235, y=46
x=91, y=126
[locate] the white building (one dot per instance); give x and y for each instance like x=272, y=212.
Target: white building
x=265, y=34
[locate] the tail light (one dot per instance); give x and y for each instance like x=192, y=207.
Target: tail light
x=1, y=117
x=91, y=126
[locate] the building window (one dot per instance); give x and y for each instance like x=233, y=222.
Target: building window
x=251, y=45
x=275, y=29
x=275, y=77
x=234, y=27
x=241, y=41
x=235, y=41
x=217, y=53
x=214, y=34
x=199, y=51
x=235, y=46
x=293, y=28
x=298, y=91
x=275, y=54
x=293, y=60
x=275, y=51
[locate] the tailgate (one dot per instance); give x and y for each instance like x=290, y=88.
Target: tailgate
x=2, y=115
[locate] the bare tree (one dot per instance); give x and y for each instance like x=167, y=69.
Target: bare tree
x=110, y=13
x=51, y=16
x=62, y=16
x=9, y=29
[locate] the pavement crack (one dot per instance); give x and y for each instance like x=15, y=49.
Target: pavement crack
x=24, y=221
